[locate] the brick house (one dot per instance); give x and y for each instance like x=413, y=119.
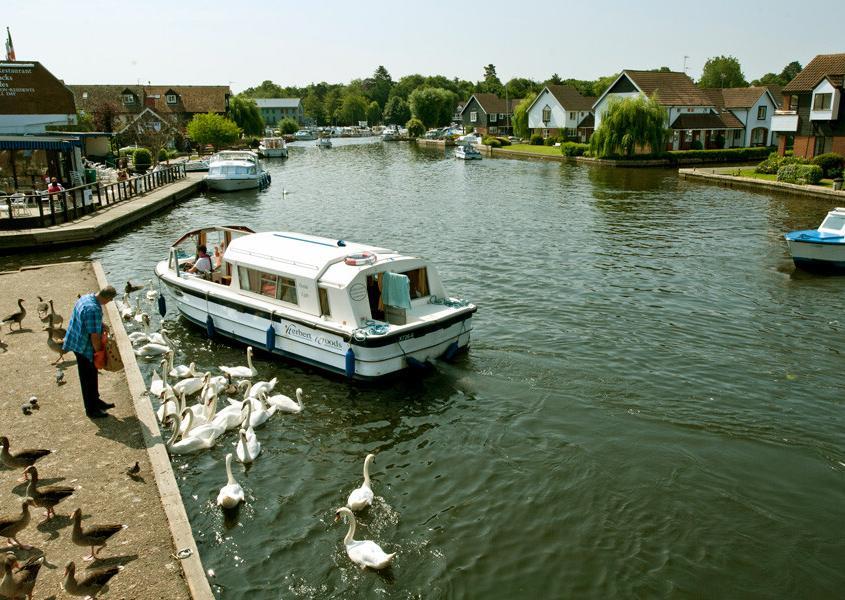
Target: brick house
x=489, y=114
x=811, y=121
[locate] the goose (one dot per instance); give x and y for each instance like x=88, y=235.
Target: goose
x=93, y=582
x=240, y=371
x=22, y=458
x=130, y=287
x=42, y=308
x=54, y=318
x=263, y=386
x=47, y=496
x=285, y=403
x=232, y=493
x=191, y=385
x=55, y=344
x=364, y=553
x=152, y=349
x=159, y=383
x=93, y=535
x=16, y=317
x=21, y=582
x=11, y=526
x=362, y=497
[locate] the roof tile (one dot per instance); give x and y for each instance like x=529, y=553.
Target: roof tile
x=821, y=66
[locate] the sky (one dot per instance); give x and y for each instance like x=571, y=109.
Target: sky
x=241, y=44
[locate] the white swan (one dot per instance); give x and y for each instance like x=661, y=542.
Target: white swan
x=191, y=385
x=263, y=386
x=247, y=372
x=364, y=553
x=189, y=444
x=139, y=337
x=362, y=497
x=157, y=383
x=215, y=385
x=169, y=409
x=139, y=312
x=287, y=404
x=151, y=349
x=182, y=371
x=125, y=308
x=262, y=414
x=232, y=493
x=247, y=450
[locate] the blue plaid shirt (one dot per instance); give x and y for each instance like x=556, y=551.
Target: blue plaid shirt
x=87, y=318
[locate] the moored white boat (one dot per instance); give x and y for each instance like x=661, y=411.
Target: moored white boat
x=232, y=170
x=355, y=309
x=467, y=152
x=196, y=165
x=324, y=142
x=821, y=249
x=273, y=147
x=304, y=135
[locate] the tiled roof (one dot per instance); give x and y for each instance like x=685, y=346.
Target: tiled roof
x=673, y=89
x=724, y=120
x=190, y=98
x=743, y=97
x=277, y=102
x=588, y=121
x=491, y=103
x=819, y=67
x=777, y=94
x=570, y=99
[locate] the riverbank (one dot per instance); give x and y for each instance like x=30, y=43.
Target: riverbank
x=91, y=455
x=104, y=222
x=675, y=158
x=725, y=177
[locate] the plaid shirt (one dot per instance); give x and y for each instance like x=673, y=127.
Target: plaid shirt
x=87, y=318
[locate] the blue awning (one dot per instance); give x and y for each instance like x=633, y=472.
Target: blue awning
x=39, y=144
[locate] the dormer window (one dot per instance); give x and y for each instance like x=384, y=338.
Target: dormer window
x=547, y=114
x=171, y=98
x=85, y=95
x=129, y=98
x=822, y=101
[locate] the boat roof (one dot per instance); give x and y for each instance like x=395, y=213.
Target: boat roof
x=303, y=255
x=235, y=155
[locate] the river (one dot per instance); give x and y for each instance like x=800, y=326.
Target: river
x=652, y=404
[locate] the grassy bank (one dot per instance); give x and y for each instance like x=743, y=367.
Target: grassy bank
x=544, y=150
x=767, y=177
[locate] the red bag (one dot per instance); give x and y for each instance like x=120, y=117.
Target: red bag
x=100, y=357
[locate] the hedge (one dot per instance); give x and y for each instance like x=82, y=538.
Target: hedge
x=831, y=164
x=798, y=173
x=574, y=149
x=491, y=141
x=536, y=139
x=771, y=165
x=725, y=155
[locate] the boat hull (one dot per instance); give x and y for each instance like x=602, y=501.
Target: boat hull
x=817, y=257
x=232, y=185
x=314, y=343
x=273, y=152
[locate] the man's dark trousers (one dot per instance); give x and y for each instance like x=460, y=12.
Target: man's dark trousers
x=88, y=380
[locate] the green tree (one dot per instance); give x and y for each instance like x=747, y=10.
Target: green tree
x=378, y=86
x=213, y=129
x=406, y=85
x=331, y=105
x=554, y=80
x=769, y=79
x=520, y=87
x=790, y=71
x=600, y=85
x=373, y=113
x=312, y=107
x=520, y=116
x=244, y=112
x=287, y=125
x=353, y=109
x=396, y=111
x=267, y=89
x=491, y=84
x=415, y=128
x=433, y=106
x=722, y=72
x=630, y=124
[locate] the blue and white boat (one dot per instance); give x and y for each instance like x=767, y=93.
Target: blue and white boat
x=467, y=152
x=821, y=249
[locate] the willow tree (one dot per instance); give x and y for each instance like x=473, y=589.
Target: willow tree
x=630, y=124
x=520, y=116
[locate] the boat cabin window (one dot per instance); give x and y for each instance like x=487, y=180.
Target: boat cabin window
x=834, y=222
x=268, y=284
x=324, y=302
x=418, y=288
x=231, y=170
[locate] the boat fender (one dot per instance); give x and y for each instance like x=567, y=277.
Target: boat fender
x=341, y=243
x=350, y=363
x=269, y=179
x=361, y=258
x=450, y=352
x=162, y=305
x=271, y=338
x=209, y=327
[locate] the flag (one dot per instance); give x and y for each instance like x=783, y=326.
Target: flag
x=10, y=49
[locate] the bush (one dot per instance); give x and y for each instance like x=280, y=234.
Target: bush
x=550, y=141
x=830, y=163
x=536, y=139
x=697, y=145
x=504, y=141
x=143, y=158
x=287, y=126
x=573, y=148
x=491, y=141
x=415, y=128
x=771, y=165
x=162, y=154
x=800, y=173
x=720, y=141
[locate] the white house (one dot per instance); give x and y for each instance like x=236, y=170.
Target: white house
x=690, y=113
x=754, y=108
x=560, y=109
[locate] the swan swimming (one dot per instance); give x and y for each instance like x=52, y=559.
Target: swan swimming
x=364, y=553
x=362, y=497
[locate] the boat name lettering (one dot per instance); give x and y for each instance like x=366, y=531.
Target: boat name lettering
x=407, y=336
x=319, y=340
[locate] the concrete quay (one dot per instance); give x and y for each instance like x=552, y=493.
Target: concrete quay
x=104, y=222
x=723, y=176
x=157, y=549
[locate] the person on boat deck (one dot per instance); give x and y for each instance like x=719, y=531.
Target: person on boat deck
x=203, y=262
x=217, y=258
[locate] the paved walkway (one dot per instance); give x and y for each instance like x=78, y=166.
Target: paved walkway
x=729, y=177
x=105, y=221
x=90, y=455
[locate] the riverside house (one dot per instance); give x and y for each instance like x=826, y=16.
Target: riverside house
x=753, y=107
x=561, y=110
x=274, y=110
x=489, y=114
x=690, y=113
x=811, y=120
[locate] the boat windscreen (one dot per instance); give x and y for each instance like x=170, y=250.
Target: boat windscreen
x=835, y=222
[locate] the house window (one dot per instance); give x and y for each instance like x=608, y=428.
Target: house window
x=737, y=135
x=793, y=102
x=268, y=284
x=85, y=95
x=473, y=116
x=494, y=129
x=822, y=101
x=128, y=98
x=492, y=117
x=572, y=116
x=547, y=114
x=171, y=98
x=690, y=109
x=761, y=113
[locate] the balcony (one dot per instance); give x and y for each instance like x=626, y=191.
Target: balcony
x=785, y=121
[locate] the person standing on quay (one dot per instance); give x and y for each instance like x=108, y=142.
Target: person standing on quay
x=83, y=338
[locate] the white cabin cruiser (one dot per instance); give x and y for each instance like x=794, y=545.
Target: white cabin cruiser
x=273, y=147
x=354, y=309
x=324, y=142
x=305, y=135
x=232, y=170
x=467, y=152
x=821, y=249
